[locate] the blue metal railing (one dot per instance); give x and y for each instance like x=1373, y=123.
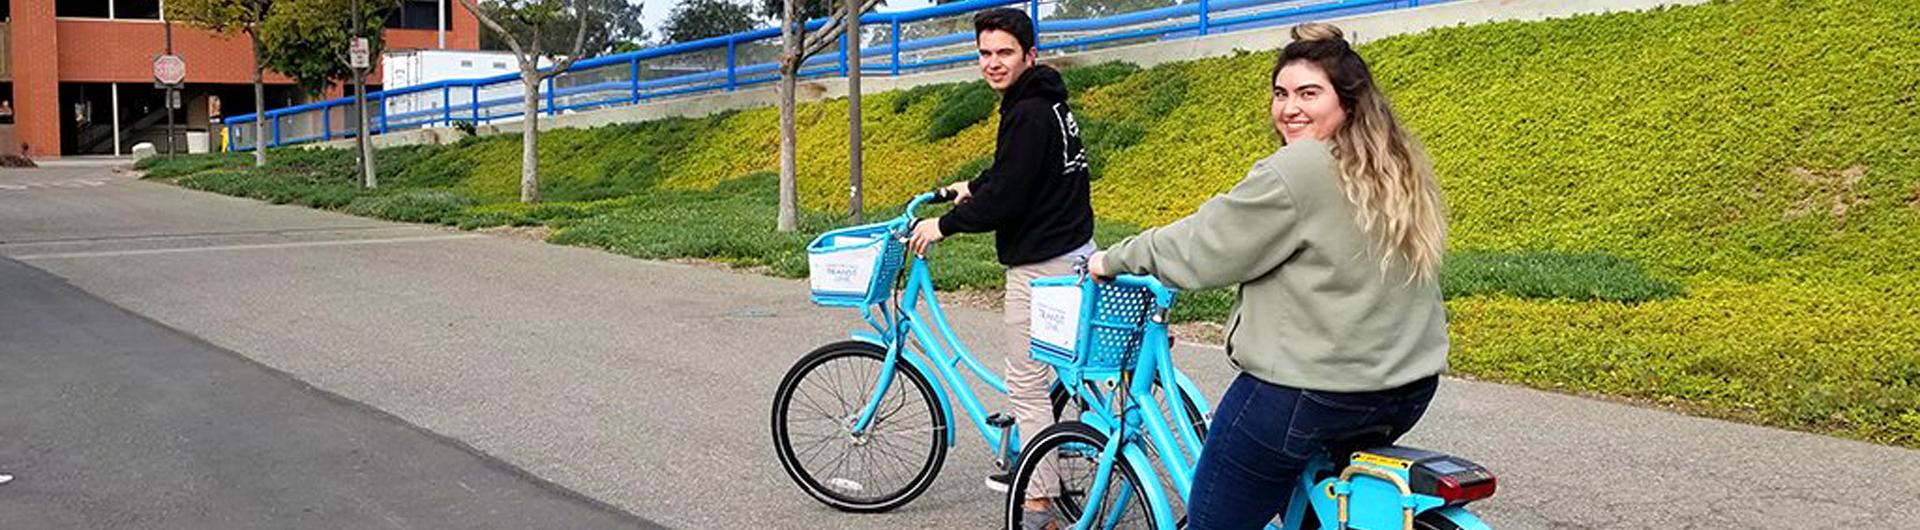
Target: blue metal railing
x=896, y=43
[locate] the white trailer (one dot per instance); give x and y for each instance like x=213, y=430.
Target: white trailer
x=404, y=68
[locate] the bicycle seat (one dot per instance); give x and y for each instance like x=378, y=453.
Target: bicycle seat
x=1341, y=449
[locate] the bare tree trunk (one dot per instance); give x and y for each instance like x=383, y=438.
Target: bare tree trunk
x=789, y=218
x=366, y=146
x=529, y=143
x=789, y=70
x=259, y=105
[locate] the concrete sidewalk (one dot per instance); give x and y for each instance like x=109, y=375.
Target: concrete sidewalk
x=646, y=385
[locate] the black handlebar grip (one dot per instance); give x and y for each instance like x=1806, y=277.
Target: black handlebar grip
x=943, y=195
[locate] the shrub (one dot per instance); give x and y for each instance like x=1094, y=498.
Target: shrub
x=319, y=191
x=1084, y=78
x=162, y=167
x=1549, y=275
x=961, y=107
x=411, y=206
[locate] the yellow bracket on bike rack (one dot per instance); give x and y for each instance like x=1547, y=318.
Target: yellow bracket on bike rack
x=1405, y=491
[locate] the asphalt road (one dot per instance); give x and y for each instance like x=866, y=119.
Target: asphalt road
x=113, y=421
x=646, y=385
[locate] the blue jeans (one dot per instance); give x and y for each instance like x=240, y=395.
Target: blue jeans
x=1263, y=434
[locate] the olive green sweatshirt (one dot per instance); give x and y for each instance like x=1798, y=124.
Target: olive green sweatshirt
x=1314, y=309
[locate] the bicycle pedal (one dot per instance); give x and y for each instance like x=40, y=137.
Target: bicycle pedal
x=1000, y=420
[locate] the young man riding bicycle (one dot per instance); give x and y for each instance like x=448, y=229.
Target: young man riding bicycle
x=1034, y=198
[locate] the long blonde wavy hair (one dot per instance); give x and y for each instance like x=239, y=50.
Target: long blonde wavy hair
x=1383, y=170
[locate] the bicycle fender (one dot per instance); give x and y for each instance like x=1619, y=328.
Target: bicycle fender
x=1461, y=518
x=939, y=391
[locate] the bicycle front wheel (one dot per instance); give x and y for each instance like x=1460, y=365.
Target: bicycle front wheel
x=1073, y=450
x=882, y=468
x=1176, y=505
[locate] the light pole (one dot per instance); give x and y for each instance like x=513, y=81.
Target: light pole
x=853, y=109
x=167, y=94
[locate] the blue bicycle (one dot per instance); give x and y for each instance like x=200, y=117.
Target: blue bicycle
x=846, y=427
x=1103, y=460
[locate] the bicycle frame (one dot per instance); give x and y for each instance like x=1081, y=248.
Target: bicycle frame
x=900, y=320
x=1133, y=419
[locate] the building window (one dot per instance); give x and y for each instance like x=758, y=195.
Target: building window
x=81, y=8
x=138, y=9
x=117, y=9
x=419, y=14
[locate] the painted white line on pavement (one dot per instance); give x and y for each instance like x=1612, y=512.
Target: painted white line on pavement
x=234, y=234
x=264, y=246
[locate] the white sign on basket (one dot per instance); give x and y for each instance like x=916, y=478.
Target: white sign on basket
x=845, y=272
x=1056, y=315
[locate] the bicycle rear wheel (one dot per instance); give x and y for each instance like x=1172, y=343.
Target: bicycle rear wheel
x=1433, y=521
x=886, y=466
x=1074, y=449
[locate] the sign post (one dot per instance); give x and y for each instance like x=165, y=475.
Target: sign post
x=169, y=74
x=357, y=59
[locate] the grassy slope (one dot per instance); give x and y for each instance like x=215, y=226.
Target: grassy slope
x=1761, y=154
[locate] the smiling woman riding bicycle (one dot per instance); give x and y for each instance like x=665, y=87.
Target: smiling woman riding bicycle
x=1335, y=242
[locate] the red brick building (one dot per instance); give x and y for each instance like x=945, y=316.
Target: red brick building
x=78, y=74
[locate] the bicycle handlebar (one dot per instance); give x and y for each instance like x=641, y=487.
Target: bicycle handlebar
x=1162, y=294
x=938, y=196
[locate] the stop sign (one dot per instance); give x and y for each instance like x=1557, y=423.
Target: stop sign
x=169, y=69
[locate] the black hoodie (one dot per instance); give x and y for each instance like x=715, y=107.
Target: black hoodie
x=1034, y=197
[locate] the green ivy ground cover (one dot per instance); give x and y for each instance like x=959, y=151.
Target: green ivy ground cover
x=1715, y=207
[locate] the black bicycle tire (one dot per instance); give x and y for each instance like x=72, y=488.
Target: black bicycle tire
x=783, y=446
x=1044, y=444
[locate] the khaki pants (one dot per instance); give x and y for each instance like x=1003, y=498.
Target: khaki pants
x=1028, y=380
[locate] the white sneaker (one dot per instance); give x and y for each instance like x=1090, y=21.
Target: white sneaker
x=5, y=478
x=997, y=482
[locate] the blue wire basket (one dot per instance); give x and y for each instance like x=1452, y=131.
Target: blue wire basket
x=855, y=266
x=1106, y=335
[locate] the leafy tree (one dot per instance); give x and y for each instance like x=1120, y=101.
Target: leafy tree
x=229, y=18
x=699, y=19
x=1079, y=9
x=797, y=45
x=621, y=30
x=521, y=24
x=307, y=39
x=809, y=9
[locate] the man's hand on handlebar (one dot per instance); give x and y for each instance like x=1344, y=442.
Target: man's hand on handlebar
x=926, y=232
x=961, y=192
